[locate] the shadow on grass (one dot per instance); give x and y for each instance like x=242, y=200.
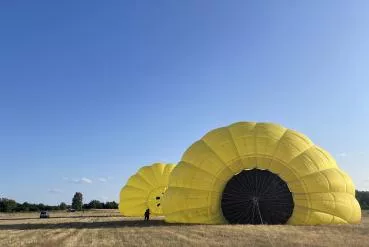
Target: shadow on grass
x=86, y=225
x=63, y=217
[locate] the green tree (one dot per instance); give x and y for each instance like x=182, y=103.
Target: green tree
x=111, y=205
x=363, y=199
x=77, y=201
x=7, y=205
x=95, y=204
x=26, y=206
x=63, y=206
x=41, y=206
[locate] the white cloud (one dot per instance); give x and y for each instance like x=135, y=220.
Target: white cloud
x=85, y=180
x=104, y=179
x=350, y=155
x=82, y=180
x=343, y=154
x=55, y=191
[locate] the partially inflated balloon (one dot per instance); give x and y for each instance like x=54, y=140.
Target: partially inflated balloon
x=259, y=173
x=145, y=190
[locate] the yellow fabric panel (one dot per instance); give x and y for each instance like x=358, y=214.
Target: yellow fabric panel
x=166, y=174
x=330, y=180
x=322, y=193
x=302, y=200
x=221, y=143
x=321, y=158
x=204, y=179
x=241, y=164
x=338, y=221
x=320, y=218
x=356, y=212
x=133, y=192
x=128, y=211
x=136, y=202
x=299, y=216
x=337, y=204
x=193, y=199
x=350, y=187
x=289, y=147
x=193, y=215
x=337, y=182
x=214, y=203
x=195, y=202
x=158, y=170
x=251, y=138
x=203, y=156
x=139, y=182
x=148, y=175
x=144, y=190
x=302, y=164
x=243, y=133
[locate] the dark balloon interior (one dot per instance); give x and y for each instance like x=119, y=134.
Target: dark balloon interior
x=257, y=197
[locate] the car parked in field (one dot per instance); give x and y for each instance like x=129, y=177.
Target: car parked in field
x=44, y=214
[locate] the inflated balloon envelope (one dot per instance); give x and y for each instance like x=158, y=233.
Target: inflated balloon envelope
x=144, y=190
x=259, y=173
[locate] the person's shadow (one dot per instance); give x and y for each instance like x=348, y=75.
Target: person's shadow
x=85, y=225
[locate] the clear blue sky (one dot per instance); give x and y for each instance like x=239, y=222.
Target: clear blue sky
x=93, y=90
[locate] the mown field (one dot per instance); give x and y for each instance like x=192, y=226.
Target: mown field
x=107, y=228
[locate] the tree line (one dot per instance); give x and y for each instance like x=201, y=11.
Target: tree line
x=9, y=205
x=363, y=199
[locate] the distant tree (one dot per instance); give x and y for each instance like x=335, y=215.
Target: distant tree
x=7, y=205
x=41, y=207
x=111, y=205
x=77, y=201
x=96, y=204
x=363, y=199
x=63, y=206
x=25, y=206
x=33, y=208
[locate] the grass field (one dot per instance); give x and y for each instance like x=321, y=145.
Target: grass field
x=107, y=228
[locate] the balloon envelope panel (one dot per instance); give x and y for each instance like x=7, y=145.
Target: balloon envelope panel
x=145, y=190
x=321, y=192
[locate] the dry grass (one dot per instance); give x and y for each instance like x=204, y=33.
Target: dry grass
x=107, y=228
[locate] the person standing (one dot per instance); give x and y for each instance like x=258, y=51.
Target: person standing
x=147, y=214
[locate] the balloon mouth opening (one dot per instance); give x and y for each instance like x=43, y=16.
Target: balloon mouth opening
x=257, y=197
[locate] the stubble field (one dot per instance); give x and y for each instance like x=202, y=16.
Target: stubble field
x=108, y=228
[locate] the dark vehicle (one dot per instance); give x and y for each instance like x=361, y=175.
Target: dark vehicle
x=44, y=214
x=71, y=210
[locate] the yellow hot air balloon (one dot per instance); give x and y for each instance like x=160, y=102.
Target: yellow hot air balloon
x=145, y=190
x=259, y=173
